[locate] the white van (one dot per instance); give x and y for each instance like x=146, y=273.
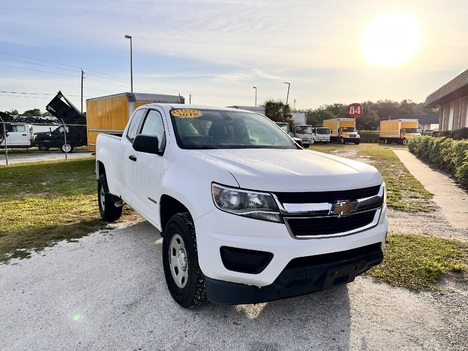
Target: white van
x=18, y=135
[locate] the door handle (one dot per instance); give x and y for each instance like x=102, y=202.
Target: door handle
x=132, y=157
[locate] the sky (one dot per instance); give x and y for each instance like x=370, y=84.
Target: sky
x=214, y=52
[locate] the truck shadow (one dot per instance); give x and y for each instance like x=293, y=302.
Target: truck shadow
x=318, y=321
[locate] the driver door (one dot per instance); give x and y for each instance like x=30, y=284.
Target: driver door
x=143, y=179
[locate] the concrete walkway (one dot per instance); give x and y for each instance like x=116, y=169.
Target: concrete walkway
x=452, y=200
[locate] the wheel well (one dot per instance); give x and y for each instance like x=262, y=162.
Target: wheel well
x=169, y=207
x=101, y=169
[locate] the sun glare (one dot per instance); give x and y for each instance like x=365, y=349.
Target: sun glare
x=390, y=39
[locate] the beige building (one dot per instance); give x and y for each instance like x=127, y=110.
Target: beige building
x=452, y=98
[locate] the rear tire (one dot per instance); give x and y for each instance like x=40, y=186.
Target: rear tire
x=43, y=148
x=109, y=212
x=184, y=278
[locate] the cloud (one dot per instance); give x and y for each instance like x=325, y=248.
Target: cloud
x=225, y=47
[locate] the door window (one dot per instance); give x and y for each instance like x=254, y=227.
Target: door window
x=18, y=128
x=153, y=125
x=135, y=124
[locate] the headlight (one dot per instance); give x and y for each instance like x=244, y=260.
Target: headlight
x=246, y=203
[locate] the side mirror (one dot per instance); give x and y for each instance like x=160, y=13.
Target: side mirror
x=146, y=143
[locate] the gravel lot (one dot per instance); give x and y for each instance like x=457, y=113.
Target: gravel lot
x=107, y=291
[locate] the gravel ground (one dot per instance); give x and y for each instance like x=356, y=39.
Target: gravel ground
x=106, y=291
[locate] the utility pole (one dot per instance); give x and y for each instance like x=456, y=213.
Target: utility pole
x=82, y=78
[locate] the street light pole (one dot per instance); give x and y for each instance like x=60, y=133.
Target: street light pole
x=287, y=95
x=255, y=96
x=131, y=62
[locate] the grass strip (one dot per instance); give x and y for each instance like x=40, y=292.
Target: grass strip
x=404, y=191
x=46, y=202
x=418, y=262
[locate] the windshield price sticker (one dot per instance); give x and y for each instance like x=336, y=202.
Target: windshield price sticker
x=186, y=113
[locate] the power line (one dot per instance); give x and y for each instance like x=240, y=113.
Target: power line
x=21, y=92
x=35, y=59
x=40, y=64
x=115, y=81
x=36, y=70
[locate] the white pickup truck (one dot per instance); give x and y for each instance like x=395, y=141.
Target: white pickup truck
x=245, y=213
x=16, y=135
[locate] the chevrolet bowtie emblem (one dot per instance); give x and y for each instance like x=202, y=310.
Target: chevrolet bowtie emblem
x=343, y=208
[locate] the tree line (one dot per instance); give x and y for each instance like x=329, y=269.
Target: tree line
x=28, y=113
x=373, y=112
x=278, y=111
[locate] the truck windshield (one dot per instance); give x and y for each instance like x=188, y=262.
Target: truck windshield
x=349, y=129
x=411, y=130
x=322, y=130
x=304, y=129
x=284, y=127
x=225, y=129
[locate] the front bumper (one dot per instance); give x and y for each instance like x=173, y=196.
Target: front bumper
x=301, y=276
x=319, y=139
x=352, y=140
x=262, y=259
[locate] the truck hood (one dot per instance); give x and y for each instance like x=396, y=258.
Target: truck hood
x=290, y=170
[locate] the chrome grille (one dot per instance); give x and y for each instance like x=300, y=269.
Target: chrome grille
x=335, y=213
x=310, y=226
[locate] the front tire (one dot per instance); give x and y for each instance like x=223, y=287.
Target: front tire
x=67, y=148
x=43, y=148
x=184, y=278
x=109, y=212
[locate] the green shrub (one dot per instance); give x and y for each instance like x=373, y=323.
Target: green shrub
x=369, y=136
x=461, y=172
x=460, y=149
x=444, y=153
x=459, y=134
